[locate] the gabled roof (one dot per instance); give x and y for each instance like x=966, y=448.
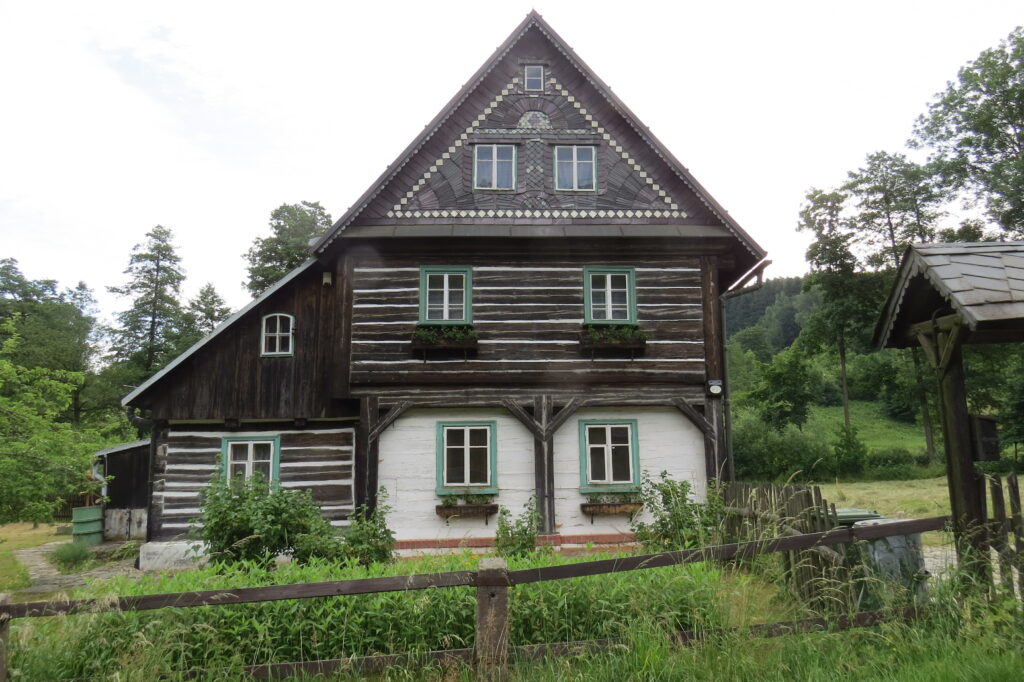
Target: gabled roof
x=408, y=164
x=142, y=388
x=983, y=282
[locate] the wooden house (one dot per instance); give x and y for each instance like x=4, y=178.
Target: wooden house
x=526, y=304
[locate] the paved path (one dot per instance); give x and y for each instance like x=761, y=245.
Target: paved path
x=44, y=576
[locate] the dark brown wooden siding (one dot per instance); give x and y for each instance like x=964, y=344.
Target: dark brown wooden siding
x=229, y=379
x=319, y=458
x=528, y=309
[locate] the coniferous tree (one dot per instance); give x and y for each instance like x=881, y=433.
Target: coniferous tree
x=145, y=337
x=201, y=316
x=293, y=226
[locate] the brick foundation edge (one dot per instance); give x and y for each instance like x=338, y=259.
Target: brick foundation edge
x=546, y=540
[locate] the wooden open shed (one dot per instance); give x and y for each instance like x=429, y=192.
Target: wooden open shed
x=945, y=296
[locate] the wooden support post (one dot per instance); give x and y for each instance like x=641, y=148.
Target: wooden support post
x=491, y=649
x=966, y=492
x=5, y=630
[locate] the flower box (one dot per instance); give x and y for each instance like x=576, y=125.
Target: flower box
x=610, y=508
x=466, y=511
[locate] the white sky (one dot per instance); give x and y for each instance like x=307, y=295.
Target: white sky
x=205, y=116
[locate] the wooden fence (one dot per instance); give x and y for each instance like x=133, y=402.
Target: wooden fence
x=756, y=511
x=1004, y=492
x=492, y=582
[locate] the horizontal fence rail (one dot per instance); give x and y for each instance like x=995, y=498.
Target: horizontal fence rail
x=245, y=595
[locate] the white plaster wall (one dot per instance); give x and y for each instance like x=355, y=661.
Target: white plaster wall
x=667, y=441
x=408, y=462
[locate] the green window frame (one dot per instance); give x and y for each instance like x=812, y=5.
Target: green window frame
x=275, y=343
x=604, y=452
x=228, y=448
x=438, y=280
x=601, y=299
x=448, y=449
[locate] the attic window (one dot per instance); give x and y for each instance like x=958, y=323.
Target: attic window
x=494, y=166
x=534, y=78
x=277, y=335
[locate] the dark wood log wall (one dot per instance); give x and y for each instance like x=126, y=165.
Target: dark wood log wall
x=320, y=458
x=528, y=309
x=228, y=379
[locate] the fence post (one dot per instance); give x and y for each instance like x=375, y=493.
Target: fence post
x=491, y=650
x=5, y=629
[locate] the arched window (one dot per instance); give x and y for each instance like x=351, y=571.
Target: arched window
x=278, y=330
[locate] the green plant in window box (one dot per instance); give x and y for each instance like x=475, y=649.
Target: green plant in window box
x=444, y=335
x=614, y=335
x=474, y=505
x=609, y=504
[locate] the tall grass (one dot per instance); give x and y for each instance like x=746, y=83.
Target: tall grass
x=102, y=646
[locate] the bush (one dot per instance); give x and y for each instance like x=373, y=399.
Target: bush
x=850, y=451
x=70, y=555
x=368, y=539
x=764, y=454
x=677, y=522
x=517, y=537
x=249, y=520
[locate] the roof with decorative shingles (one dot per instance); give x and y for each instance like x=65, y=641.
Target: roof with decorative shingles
x=983, y=282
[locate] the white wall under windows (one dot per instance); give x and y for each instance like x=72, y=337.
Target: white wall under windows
x=408, y=470
x=667, y=441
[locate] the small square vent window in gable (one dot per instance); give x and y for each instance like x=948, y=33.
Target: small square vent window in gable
x=534, y=78
x=278, y=330
x=494, y=166
x=575, y=168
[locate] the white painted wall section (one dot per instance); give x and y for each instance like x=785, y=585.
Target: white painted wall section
x=667, y=441
x=408, y=471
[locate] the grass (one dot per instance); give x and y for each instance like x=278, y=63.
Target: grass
x=20, y=536
x=893, y=499
x=874, y=428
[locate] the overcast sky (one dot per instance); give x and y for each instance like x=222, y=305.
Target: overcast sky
x=205, y=116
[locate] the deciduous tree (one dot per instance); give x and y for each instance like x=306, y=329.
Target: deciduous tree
x=293, y=226
x=976, y=131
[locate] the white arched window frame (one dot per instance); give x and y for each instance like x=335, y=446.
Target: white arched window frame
x=277, y=339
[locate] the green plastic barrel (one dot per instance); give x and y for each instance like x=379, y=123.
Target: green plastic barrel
x=87, y=525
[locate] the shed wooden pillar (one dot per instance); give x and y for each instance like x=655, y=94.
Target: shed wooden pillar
x=942, y=342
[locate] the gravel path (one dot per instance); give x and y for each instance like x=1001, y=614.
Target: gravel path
x=44, y=576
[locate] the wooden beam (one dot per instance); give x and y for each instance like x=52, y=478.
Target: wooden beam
x=388, y=419
x=527, y=419
x=699, y=420
x=569, y=409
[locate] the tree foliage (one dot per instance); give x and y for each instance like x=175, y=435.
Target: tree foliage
x=782, y=394
x=898, y=204
x=293, y=227
x=41, y=457
x=148, y=329
x=976, y=131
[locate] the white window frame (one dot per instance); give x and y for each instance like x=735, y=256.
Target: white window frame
x=589, y=481
x=494, y=166
x=576, y=166
x=273, y=462
x=265, y=336
x=527, y=78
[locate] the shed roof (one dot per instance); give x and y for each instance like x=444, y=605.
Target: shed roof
x=983, y=282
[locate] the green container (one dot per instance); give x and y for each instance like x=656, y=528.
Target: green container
x=847, y=516
x=87, y=525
